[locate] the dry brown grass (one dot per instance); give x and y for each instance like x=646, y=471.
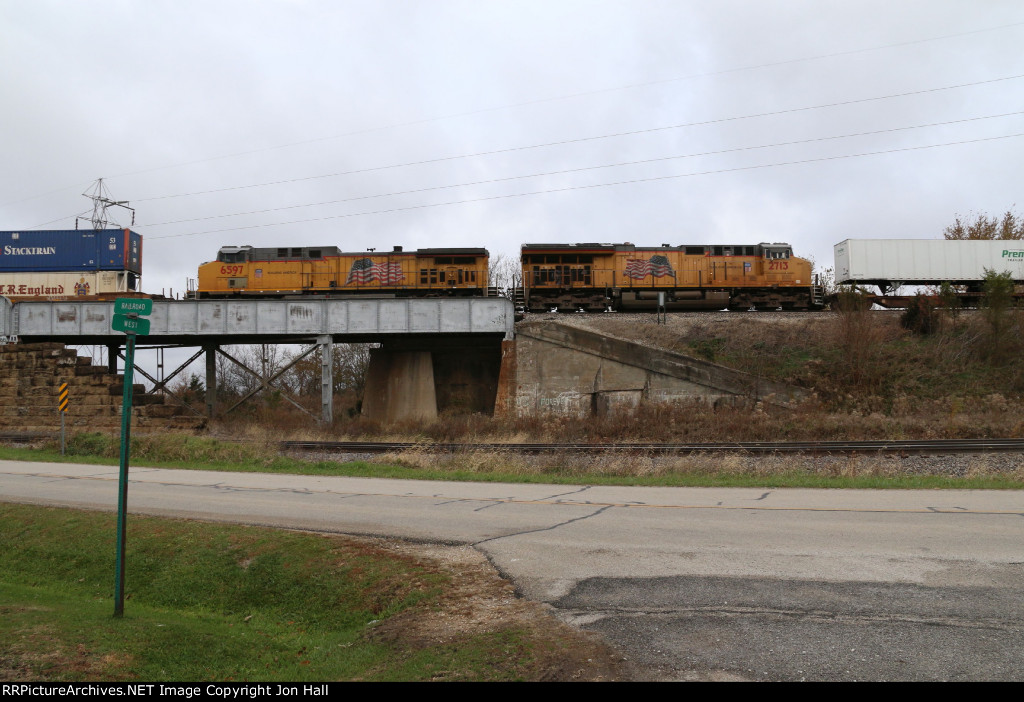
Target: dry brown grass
x=870, y=378
x=587, y=467
x=860, y=417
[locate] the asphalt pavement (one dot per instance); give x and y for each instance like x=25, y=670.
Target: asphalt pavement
x=688, y=583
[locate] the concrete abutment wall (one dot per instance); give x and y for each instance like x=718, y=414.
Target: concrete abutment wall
x=562, y=369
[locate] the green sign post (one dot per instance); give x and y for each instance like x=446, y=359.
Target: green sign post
x=125, y=319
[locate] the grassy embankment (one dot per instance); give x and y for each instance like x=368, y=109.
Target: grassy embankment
x=218, y=603
x=205, y=453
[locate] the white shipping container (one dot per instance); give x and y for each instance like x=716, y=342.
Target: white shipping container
x=925, y=261
x=59, y=286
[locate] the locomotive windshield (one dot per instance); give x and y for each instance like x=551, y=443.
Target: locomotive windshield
x=776, y=251
x=233, y=254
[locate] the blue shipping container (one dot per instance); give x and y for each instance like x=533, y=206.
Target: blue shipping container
x=71, y=250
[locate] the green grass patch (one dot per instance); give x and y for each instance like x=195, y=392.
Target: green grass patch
x=705, y=471
x=208, y=602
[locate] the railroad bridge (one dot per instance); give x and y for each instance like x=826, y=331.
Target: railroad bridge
x=434, y=354
x=427, y=346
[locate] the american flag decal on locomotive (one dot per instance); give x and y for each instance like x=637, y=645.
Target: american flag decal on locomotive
x=365, y=270
x=657, y=266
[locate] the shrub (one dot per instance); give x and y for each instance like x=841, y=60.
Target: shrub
x=922, y=315
x=93, y=444
x=997, y=345
x=950, y=300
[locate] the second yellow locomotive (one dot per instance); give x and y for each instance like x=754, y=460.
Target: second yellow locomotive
x=596, y=277
x=241, y=271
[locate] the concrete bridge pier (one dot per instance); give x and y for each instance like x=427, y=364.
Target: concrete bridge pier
x=400, y=386
x=409, y=381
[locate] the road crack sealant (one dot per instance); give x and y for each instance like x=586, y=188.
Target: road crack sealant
x=547, y=528
x=571, y=492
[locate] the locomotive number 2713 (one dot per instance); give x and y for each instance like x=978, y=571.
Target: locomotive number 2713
x=778, y=265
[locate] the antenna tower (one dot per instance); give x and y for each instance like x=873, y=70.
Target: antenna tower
x=101, y=202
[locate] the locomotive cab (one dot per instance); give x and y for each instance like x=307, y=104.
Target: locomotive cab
x=234, y=254
x=776, y=251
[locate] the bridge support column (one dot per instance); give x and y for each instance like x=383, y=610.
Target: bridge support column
x=418, y=380
x=400, y=386
x=211, y=378
x=112, y=351
x=505, y=402
x=326, y=379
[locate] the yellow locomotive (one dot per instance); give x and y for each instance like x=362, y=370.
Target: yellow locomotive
x=596, y=277
x=326, y=270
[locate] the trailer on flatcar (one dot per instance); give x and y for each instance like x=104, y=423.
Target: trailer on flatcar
x=891, y=264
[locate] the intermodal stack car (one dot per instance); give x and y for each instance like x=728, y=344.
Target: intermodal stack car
x=61, y=264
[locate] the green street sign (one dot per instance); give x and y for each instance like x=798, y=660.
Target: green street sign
x=133, y=305
x=130, y=325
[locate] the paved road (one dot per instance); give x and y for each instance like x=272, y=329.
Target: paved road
x=690, y=583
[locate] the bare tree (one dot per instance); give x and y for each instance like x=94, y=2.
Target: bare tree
x=235, y=381
x=349, y=364
x=505, y=275
x=1011, y=226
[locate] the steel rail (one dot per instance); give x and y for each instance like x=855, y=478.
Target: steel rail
x=900, y=447
x=916, y=447
x=25, y=437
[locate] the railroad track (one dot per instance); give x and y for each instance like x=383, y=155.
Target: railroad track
x=932, y=447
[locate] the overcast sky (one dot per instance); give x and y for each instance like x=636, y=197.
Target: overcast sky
x=485, y=123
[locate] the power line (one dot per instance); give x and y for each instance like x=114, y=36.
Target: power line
x=468, y=113
x=590, y=138
x=595, y=185
x=586, y=168
x=580, y=94
x=58, y=219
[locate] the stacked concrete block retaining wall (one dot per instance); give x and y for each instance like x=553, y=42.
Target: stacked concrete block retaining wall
x=31, y=375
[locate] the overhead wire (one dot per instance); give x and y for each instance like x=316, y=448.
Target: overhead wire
x=469, y=113
x=594, y=185
x=734, y=118
x=584, y=168
x=599, y=137
x=541, y=101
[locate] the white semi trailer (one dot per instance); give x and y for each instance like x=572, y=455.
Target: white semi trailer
x=890, y=263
